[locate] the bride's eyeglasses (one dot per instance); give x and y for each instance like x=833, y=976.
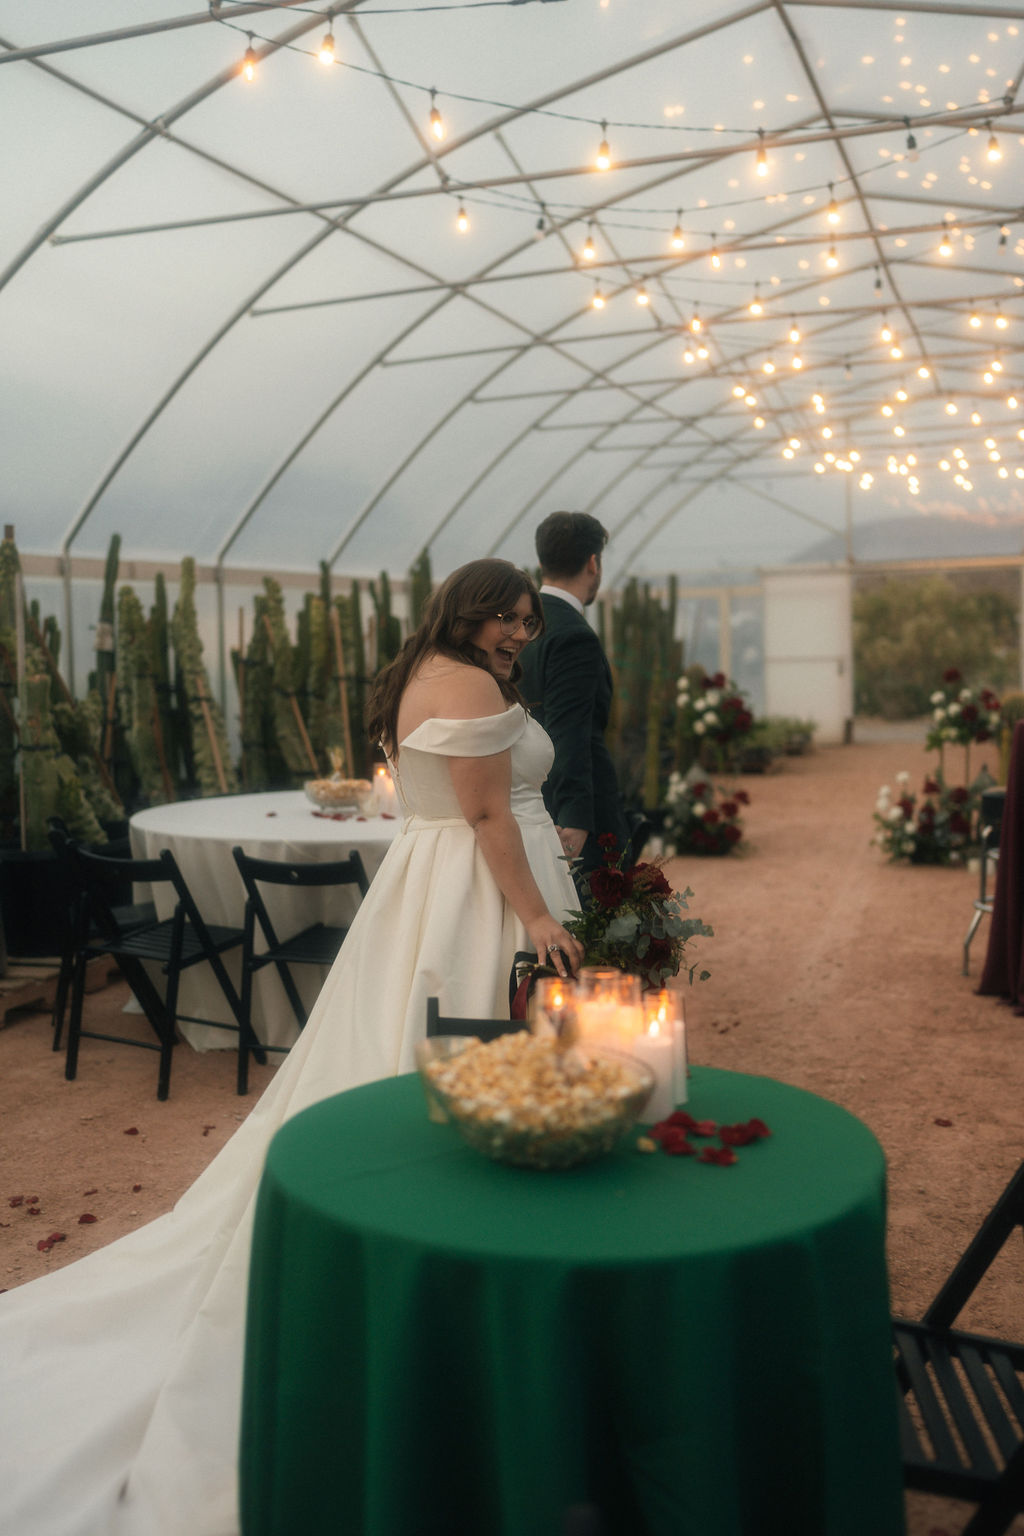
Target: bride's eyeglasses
x=510, y=622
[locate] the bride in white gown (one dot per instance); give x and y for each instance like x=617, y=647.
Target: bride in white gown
x=120, y=1374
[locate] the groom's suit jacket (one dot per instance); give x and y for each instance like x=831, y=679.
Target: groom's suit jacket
x=567, y=684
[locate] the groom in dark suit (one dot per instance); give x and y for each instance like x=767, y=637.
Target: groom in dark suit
x=567, y=684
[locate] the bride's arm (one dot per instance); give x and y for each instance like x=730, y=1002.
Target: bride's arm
x=483, y=788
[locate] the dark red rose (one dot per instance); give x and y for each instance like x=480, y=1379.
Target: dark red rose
x=969, y=712
x=718, y=681
x=931, y=787
x=732, y=833
x=959, y=824
x=982, y=734
x=659, y=954
x=742, y=796
x=951, y=675
x=650, y=878
x=711, y=816
x=609, y=886
x=729, y=808
x=958, y=795
x=906, y=805
x=698, y=791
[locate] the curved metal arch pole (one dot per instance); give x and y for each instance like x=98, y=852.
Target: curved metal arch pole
x=141, y=141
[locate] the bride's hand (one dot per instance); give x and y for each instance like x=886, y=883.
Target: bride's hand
x=555, y=946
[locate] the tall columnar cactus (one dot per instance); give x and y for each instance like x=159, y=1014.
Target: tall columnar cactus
x=646, y=658
x=9, y=568
x=351, y=652
x=420, y=587
x=166, y=721
x=215, y=774
x=318, y=676
x=137, y=698
x=389, y=630
x=255, y=692
x=289, y=726
x=52, y=786
x=103, y=677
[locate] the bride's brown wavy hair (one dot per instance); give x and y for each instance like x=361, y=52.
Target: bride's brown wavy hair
x=453, y=613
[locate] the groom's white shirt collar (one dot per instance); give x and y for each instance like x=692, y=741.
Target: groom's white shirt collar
x=567, y=597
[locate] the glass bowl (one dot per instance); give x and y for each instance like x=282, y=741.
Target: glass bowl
x=513, y=1101
x=340, y=794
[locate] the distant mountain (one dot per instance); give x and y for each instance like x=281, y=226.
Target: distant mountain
x=922, y=538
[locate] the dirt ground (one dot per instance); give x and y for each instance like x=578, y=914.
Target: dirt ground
x=831, y=969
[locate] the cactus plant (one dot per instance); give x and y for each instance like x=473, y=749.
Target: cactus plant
x=214, y=772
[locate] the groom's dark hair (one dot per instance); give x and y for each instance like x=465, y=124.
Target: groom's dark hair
x=566, y=540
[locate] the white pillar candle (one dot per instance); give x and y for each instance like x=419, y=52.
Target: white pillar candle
x=656, y=1047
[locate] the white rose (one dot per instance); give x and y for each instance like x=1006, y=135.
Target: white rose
x=896, y=814
x=966, y=695
x=938, y=697
x=711, y=718
x=699, y=727
x=700, y=703
x=954, y=710
x=903, y=777
x=949, y=734
x=712, y=697
x=698, y=809
x=938, y=715
x=882, y=806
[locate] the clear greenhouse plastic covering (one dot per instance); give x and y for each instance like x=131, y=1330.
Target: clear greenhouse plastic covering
x=241, y=321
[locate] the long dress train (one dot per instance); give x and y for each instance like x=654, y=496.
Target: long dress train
x=120, y=1374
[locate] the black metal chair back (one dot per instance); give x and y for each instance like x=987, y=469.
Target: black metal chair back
x=175, y=944
x=966, y=1390
x=486, y=1029
x=315, y=944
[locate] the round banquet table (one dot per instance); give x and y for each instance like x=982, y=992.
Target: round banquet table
x=276, y=825
x=438, y=1344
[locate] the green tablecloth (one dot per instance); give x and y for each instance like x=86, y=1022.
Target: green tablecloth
x=440, y=1344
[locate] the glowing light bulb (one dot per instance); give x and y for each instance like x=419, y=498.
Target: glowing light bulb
x=886, y=332
x=739, y=390
x=716, y=260
x=603, y=158
x=703, y=353
x=901, y=394
x=896, y=352
x=974, y=320
x=437, y=127
x=833, y=208
x=1001, y=320
x=759, y=422
x=945, y=246
x=462, y=220
x=688, y=356
x=677, y=239
x=589, y=249
x=249, y=62
x=755, y=306
x=899, y=431
x=696, y=324
x=989, y=377
x=794, y=332
x=787, y=453
x=325, y=53
x=643, y=298
x=819, y=468
x=826, y=432
x=924, y=372
x=751, y=400
x=832, y=260
x=794, y=442
x=992, y=150
x=951, y=408
x=761, y=158
x=975, y=418
x=995, y=365
x=796, y=361
x=1012, y=402
x=887, y=410
x=598, y=301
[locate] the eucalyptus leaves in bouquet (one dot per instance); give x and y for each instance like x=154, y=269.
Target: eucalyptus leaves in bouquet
x=633, y=920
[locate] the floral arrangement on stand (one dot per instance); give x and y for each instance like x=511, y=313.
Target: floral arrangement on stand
x=633, y=920
x=960, y=717
x=935, y=830
x=713, y=718
x=702, y=819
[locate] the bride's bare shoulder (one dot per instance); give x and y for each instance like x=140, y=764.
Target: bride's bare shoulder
x=443, y=689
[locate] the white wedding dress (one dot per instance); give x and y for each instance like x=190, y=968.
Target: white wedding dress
x=120, y=1375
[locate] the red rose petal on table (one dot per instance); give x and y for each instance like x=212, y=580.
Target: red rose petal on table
x=86, y=1219
x=132, y=1130
x=386, y=816
x=723, y=1156
x=943, y=1122
x=680, y=1117
x=758, y=1127
x=703, y=1128
x=736, y=1135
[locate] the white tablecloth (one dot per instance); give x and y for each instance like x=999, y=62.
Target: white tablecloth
x=280, y=825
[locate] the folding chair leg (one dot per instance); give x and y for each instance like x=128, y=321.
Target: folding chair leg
x=60, y=1001
x=75, y=1018
x=972, y=930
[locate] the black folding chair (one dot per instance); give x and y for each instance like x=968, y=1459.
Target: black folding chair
x=961, y=1393
x=176, y=944
x=316, y=944
x=990, y=818
x=485, y=1029
x=129, y=914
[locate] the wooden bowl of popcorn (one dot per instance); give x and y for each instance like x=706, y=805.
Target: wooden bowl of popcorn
x=521, y=1100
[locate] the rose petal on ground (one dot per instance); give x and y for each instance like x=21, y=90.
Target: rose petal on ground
x=86, y=1219
x=943, y=1122
x=132, y=1130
